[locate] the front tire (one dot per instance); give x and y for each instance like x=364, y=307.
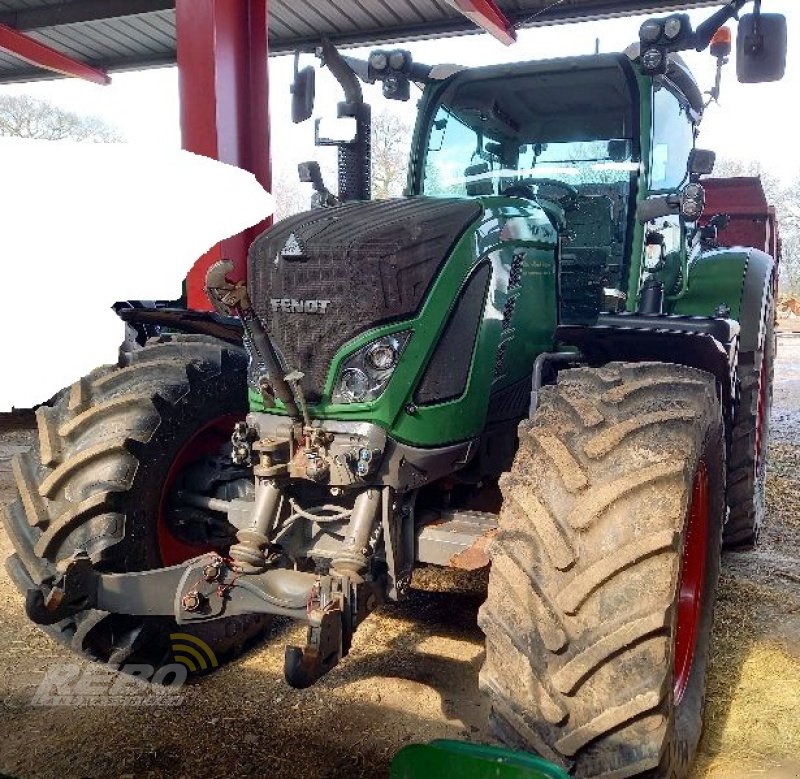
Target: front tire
x=604, y=572
x=97, y=482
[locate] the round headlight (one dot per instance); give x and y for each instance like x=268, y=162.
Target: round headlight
x=397, y=60
x=383, y=355
x=378, y=60
x=354, y=384
x=652, y=59
x=693, y=201
x=673, y=27
x=650, y=31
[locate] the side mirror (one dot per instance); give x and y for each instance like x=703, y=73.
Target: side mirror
x=701, y=163
x=309, y=173
x=693, y=201
x=303, y=91
x=761, y=45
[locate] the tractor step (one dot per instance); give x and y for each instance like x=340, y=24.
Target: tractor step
x=457, y=539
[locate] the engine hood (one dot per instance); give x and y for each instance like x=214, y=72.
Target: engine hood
x=319, y=278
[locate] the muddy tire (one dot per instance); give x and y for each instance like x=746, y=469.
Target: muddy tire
x=747, y=466
x=590, y=659
x=96, y=482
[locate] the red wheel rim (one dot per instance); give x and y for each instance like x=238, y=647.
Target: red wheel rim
x=693, y=575
x=761, y=411
x=205, y=441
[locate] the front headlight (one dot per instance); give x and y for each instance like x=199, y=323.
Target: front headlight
x=364, y=375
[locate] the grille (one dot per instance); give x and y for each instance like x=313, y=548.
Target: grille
x=373, y=261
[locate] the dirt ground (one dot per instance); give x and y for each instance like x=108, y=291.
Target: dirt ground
x=412, y=672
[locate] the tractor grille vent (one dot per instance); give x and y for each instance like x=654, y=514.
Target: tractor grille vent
x=446, y=376
x=320, y=278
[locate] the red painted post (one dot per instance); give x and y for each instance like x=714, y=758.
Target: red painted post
x=39, y=54
x=222, y=66
x=487, y=15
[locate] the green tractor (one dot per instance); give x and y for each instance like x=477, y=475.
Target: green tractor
x=538, y=359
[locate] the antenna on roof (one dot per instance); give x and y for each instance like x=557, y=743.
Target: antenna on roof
x=539, y=13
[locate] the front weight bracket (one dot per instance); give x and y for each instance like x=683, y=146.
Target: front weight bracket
x=323, y=650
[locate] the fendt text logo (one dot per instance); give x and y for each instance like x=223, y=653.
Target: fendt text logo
x=132, y=684
x=292, y=306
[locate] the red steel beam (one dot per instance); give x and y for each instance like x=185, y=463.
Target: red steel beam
x=18, y=44
x=222, y=67
x=487, y=15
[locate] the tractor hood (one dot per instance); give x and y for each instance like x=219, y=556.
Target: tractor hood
x=320, y=278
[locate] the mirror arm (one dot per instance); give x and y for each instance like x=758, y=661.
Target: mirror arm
x=654, y=207
x=706, y=30
x=359, y=67
x=713, y=93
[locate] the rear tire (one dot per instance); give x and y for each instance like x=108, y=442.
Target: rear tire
x=596, y=541
x=747, y=469
x=96, y=481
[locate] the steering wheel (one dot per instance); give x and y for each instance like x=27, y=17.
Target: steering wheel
x=566, y=201
x=570, y=196
x=519, y=190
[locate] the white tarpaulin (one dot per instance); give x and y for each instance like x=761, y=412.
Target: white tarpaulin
x=84, y=225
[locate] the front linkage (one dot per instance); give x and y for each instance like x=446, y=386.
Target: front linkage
x=251, y=580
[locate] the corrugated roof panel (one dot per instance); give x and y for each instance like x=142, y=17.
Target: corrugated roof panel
x=384, y=13
x=136, y=41
x=8, y=62
x=16, y=5
x=305, y=18
x=424, y=9
x=359, y=14
x=74, y=38
x=75, y=44
x=164, y=22
x=128, y=36
x=441, y=6
x=158, y=38
x=279, y=28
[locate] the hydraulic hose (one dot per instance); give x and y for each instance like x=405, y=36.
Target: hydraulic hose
x=230, y=297
x=262, y=345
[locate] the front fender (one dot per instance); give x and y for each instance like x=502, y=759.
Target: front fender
x=737, y=279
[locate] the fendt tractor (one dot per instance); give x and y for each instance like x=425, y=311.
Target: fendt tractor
x=539, y=359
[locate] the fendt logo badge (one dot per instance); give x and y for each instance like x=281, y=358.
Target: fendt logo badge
x=292, y=306
x=293, y=249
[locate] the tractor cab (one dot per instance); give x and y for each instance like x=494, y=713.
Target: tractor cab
x=563, y=134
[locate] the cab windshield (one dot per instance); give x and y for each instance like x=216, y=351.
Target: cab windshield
x=553, y=132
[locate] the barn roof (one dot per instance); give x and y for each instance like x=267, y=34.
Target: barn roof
x=113, y=35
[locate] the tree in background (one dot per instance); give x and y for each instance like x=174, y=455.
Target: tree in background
x=391, y=143
x=786, y=199
x=23, y=116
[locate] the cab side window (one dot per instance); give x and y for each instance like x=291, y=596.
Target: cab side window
x=673, y=140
